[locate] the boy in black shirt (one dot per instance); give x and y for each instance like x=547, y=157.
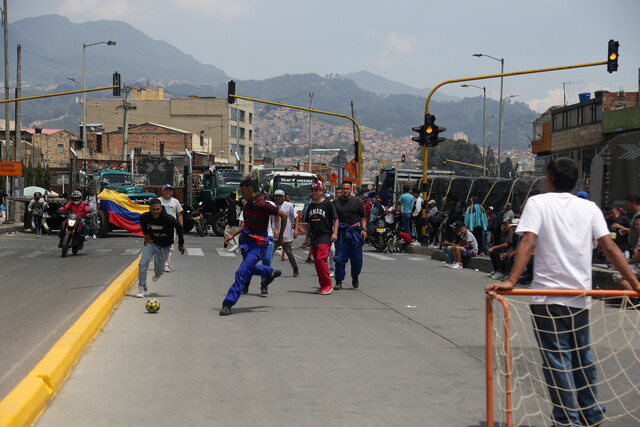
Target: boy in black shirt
x=322, y=218
x=158, y=229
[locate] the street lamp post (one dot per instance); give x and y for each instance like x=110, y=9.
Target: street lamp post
x=501, y=60
x=84, y=99
x=484, y=124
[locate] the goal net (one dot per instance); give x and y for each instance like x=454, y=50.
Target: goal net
x=518, y=389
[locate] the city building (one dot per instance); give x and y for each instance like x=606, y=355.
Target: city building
x=229, y=128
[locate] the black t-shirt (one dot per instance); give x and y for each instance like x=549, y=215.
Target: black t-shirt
x=320, y=218
x=161, y=229
x=349, y=211
x=621, y=241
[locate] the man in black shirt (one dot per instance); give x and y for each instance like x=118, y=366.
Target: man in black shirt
x=351, y=235
x=323, y=230
x=619, y=227
x=158, y=229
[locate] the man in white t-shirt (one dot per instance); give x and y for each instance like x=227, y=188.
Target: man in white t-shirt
x=291, y=230
x=558, y=229
x=173, y=208
x=467, y=249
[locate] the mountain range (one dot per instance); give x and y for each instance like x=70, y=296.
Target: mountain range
x=52, y=62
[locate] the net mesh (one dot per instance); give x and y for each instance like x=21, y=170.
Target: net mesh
x=614, y=324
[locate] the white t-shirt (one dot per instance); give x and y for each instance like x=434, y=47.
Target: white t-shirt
x=565, y=226
x=172, y=206
x=469, y=237
x=287, y=208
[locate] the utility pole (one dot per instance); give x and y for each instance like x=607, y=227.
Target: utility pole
x=310, y=119
x=18, y=181
x=7, y=107
x=126, y=106
x=355, y=139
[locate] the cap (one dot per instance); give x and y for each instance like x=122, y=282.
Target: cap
x=167, y=186
x=432, y=202
x=317, y=186
x=278, y=193
x=456, y=224
x=509, y=204
x=514, y=222
x=490, y=207
x=583, y=195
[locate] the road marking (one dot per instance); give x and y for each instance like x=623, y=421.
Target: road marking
x=224, y=252
x=381, y=257
x=413, y=258
x=135, y=251
x=7, y=253
x=195, y=252
x=100, y=252
x=279, y=253
x=33, y=254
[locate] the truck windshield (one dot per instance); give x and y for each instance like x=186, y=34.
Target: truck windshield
x=298, y=187
x=230, y=179
x=116, y=178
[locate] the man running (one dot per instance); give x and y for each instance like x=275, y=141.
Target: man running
x=351, y=235
x=159, y=229
x=254, y=242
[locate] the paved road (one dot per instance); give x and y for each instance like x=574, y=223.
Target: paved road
x=42, y=294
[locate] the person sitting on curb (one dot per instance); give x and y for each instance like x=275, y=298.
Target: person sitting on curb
x=447, y=246
x=497, y=253
x=468, y=249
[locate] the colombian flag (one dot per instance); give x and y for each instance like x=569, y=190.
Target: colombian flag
x=122, y=211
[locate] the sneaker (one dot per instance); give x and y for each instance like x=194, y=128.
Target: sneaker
x=504, y=277
x=332, y=273
x=155, y=278
x=231, y=248
x=338, y=285
x=613, y=302
x=493, y=273
x=296, y=273
x=267, y=281
x=309, y=261
x=457, y=266
x=245, y=290
x=326, y=290
x=37, y=235
x=319, y=290
x=496, y=275
x=354, y=282
x=452, y=265
x=94, y=237
x=167, y=269
x=141, y=292
x=225, y=310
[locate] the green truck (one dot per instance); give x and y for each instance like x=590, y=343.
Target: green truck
x=210, y=194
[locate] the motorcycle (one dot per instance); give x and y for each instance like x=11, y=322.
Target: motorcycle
x=379, y=234
x=202, y=228
x=72, y=235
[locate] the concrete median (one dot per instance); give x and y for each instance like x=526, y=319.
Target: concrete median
x=24, y=404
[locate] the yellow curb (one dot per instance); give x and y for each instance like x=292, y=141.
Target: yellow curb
x=26, y=402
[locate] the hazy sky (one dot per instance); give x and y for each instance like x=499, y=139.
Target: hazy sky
x=417, y=42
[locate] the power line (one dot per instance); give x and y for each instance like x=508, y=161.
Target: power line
x=66, y=65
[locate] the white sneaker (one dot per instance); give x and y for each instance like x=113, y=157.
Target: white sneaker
x=332, y=273
x=452, y=265
x=231, y=248
x=141, y=293
x=492, y=274
x=457, y=265
x=155, y=278
x=94, y=237
x=167, y=269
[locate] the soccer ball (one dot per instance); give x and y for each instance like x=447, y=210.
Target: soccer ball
x=153, y=305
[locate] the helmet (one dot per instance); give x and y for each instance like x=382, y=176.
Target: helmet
x=76, y=197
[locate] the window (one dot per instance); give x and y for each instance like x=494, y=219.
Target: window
x=241, y=133
x=60, y=148
x=241, y=152
x=241, y=115
x=232, y=148
x=234, y=113
x=250, y=135
x=250, y=118
x=233, y=132
x=250, y=155
x=99, y=143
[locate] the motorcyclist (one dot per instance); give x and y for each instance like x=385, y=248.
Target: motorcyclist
x=78, y=207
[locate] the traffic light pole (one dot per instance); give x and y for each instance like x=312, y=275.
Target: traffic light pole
x=425, y=155
x=262, y=101
x=469, y=164
x=56, y=94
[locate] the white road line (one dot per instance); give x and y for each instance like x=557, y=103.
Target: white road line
x=195, y=252
x=413, y=258
x=381, y=257
x=33, y=254
x=279, y=253
x=224, y=252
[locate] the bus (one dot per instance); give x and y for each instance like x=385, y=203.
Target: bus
x=295, y=184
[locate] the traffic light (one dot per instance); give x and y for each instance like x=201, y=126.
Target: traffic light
x=612, y=57
x=421, y=138
x=432, y=131
x=403, y=158
x=231, y=91
x=116, y=82
x=444, y=162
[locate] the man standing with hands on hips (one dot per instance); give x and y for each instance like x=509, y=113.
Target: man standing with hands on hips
x=351, y=235
x=323, y=230
x=558, y=227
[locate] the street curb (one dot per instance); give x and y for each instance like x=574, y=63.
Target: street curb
x=27, y=401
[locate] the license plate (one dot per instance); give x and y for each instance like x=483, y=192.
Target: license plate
x=381, y=230
x=196, y=217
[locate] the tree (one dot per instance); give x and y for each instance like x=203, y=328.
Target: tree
x=507, y=170
x=39, y=175
x=46, y=182
x=490, y=159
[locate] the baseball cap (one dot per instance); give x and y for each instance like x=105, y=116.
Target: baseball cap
x=514, y=222
x=317, y=186
x=432, y=202
x=583, y=195
x=509, y=204
x=490, y=207
x=278, y=193
x=167, y=186
x=455, y=225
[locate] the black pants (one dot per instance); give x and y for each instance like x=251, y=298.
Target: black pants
x=498, y=265
x=478, y=233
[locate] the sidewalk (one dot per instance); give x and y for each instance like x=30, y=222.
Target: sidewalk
x=355, y=357
x=10, y=228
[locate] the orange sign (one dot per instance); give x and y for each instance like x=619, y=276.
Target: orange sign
x=333, y=177
x=351, y=168
x=320, y=178
x=11, y=168
x=334, y=183
x=351, y=179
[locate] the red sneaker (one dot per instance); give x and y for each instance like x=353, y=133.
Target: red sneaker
x=326, y=290
x=319, y=290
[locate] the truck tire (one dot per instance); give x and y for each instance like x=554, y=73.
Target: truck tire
x=219, y=223
x=103, y=224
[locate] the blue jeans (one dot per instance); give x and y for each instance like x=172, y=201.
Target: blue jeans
x=149, y=251
x=569, y=367
x=266, y=258
x=37, y=220
x=347, y=250
x=406, y=223
x=447, y=254
x=488, y=238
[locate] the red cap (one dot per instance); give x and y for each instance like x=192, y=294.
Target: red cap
x=317, y=186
